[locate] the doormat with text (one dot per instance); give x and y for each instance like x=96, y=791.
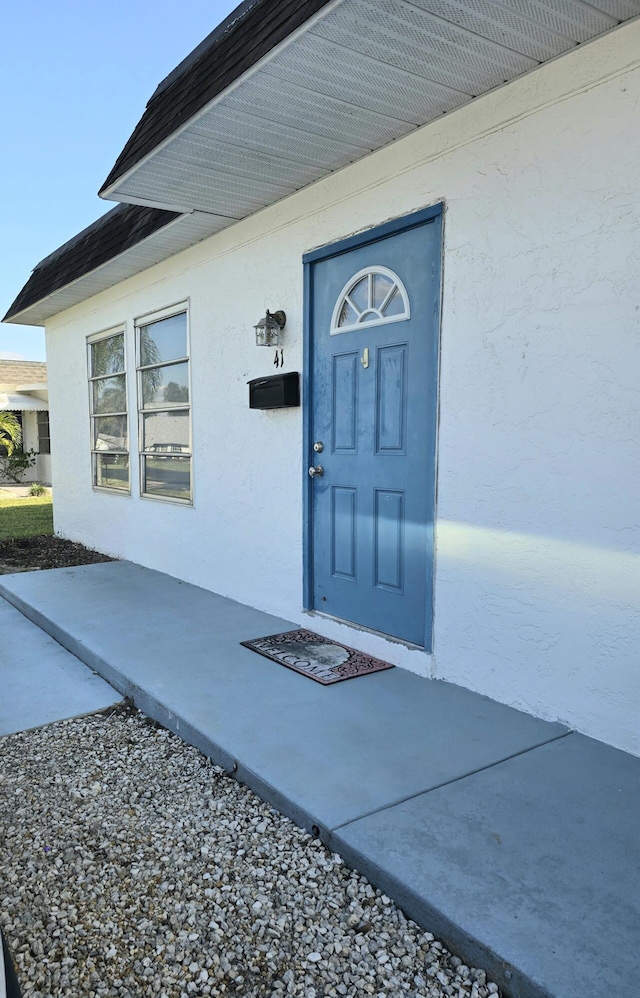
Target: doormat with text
x=318, y=658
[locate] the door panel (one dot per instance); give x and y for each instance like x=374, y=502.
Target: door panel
x=344, y=514
x=391, y=399
x=373, y=402
x=388, y=526
x=344, y=395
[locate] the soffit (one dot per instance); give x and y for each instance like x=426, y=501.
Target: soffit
x=353, y=76
x=357, y=75
x=172, y=238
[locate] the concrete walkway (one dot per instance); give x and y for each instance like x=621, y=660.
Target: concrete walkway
x=513, y=840
x=40, y=682
x=8, y=491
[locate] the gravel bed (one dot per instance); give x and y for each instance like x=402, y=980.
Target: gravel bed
x=130, y=866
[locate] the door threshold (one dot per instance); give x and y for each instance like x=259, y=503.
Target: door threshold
x=367, y=630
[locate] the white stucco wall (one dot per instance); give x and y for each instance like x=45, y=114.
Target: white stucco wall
x=537, y=584
x=43, y=469
x=30, y=442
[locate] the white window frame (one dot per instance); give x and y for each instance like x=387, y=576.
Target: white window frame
x=379, y=320
x=118, y=330
x=145, y=320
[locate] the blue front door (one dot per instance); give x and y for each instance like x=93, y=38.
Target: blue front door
x=374, y=313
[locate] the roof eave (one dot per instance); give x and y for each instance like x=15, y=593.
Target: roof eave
x=118, y=176
x=163, y=244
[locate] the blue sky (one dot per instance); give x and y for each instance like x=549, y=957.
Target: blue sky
x=74, y=78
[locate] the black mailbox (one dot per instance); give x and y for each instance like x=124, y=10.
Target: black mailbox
x=277, y=392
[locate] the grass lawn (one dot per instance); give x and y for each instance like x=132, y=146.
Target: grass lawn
x=26, y=517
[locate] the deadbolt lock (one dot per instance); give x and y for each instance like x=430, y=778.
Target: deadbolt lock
x=318, y=447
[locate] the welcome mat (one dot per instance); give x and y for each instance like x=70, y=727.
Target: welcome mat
x=318, y=658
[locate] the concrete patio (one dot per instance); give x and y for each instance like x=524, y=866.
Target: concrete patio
x=512, y=839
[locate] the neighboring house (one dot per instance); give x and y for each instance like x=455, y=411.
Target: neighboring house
x=24, y=391
x=443, y=199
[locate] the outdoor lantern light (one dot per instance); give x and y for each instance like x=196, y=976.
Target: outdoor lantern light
x=269, y=328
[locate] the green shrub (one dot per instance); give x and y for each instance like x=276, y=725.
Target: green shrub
x=37, y=490
x=14, y=465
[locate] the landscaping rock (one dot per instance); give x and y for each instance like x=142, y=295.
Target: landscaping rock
x=132, y=866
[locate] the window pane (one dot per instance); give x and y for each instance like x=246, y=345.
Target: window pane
x=347, y=315
x=360, y=294
x=395, y=305
x=109, y=395
x=44, y=444
x=163, y=340
x=163, y=386
x=111, y=471
x=167, y=476
x=166, y=432
x=107, y=356
x=381, y=288
x=110, y=433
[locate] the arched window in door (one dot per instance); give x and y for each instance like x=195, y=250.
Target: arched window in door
x=371, y=297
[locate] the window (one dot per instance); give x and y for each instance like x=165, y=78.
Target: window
x=44, y=443
x=108, y=409
x=373, y=296
x=164, y=408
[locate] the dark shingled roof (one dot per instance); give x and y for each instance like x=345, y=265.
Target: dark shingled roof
x=240, y=41
x=248, y=34
x=116, y=231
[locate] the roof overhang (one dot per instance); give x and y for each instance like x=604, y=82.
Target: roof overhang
x=32, y=389
x=284, y=93
x=18, y=402
x=34, y=307
x=352, y=77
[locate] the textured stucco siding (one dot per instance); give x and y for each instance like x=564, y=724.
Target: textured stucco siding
x=537, y=584
x=43, y=469
x=30, y=442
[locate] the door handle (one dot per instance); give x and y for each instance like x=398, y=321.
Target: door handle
x=316, y=471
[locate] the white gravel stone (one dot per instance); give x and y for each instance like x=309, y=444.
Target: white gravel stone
x=130, y=866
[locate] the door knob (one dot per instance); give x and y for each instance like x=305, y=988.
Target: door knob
x=316, y=471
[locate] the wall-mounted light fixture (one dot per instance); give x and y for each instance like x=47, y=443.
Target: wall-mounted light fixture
x=269, y=329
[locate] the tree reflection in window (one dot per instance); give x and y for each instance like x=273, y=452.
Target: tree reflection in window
x=164, y=408
x=108, y=411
